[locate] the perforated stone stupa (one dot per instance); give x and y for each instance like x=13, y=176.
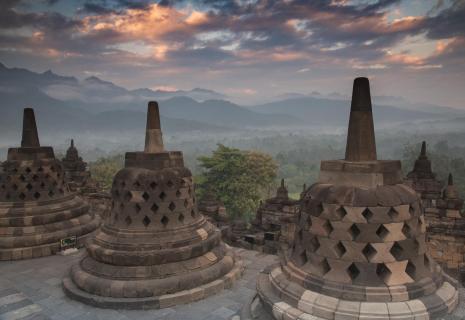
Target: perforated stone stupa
x=154, y=250
x=36, y=208
x=76, y=174
x=359, y=250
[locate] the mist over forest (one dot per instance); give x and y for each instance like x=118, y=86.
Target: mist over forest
x=298, y=131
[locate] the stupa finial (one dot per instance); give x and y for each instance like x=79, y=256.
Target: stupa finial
x=361, y=145
x=30, y=138
x=153, y=135
x=72, y=143
x=423, y=149
x=450, y=180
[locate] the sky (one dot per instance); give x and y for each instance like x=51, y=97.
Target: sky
x=251, y=50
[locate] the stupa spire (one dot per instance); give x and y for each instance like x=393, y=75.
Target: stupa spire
x=153, y=134
x=423, y=149
x=72, y=143
x=450, y=180
x=30, y=138
x=361, y=145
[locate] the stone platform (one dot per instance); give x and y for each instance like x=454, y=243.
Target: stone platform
x=32, y=289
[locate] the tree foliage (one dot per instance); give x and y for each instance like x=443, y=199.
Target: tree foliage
x=238, y=178
x=104, y=169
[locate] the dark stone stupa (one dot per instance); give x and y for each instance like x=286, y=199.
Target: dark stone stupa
x=76, y=174
x=155, y=249
x=37, y=210
x=359, y=250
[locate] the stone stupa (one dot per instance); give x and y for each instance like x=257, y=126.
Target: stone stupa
x=155, y=249
x=37, y=210
x=359, y=250
x=76, y=174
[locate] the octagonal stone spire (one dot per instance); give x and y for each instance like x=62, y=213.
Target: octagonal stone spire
x=30, y=138
x=361, y=145
x=153, y=135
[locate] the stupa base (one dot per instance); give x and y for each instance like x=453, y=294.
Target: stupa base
x=156, y=302
x=301, y=304
x=83, y=233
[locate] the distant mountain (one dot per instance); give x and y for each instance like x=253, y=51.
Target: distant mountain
x=327, y=111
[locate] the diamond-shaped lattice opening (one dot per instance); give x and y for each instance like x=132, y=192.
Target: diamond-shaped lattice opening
x=138, y=208
x=172, y=206
x=319, y=209
x=162, y=195
x=128, y=220
x=426, y=261
x=314, y=244
x=165, y=220
x=128, y=196
x=302, y=258
x=29, y=186
x=178, y=193
x=42, y=185
x=393, y=214
x=22, y=196
x=324, y=267
x=153, y=185
x=136, y=184
x=328, y=227
x=186, y=203
x=396, y=251
x=354, y=231
x=192, y=213
x=154, y=208
x=14, y=186
x=369, y=252
x=382, y=232
x=146, y=221
x=36, y=195
x=341, y=212
x=61, y=190
x=121, y=206
x=46, y=176
x=411, y=210
x=406, y=230
x=51, y=193
x=145, y=196
x=382, y=271
x=7, y=196
x=300, y=235
x=28, y=170
x=35, y=177
x=169, y=184
x=181, y=218
x=367, y=214
x=40, y=169
x=52, y=168
x=410, y=269
x=123, y=184
x=353, y=271
x=22, y=178
x=15, y=170
x=340, y=249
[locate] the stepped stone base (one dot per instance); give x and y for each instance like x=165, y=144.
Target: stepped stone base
x=288, y=300
x=153, y=302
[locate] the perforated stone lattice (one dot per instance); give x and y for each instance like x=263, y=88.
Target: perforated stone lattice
x=34, y=181
x=147, y=204
x=362, y=245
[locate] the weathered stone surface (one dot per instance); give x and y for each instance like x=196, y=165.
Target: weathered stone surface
x=37, y=209
x=155, y=249
x=360, y=238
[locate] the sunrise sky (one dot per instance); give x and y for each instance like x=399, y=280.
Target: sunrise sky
x=250, y=50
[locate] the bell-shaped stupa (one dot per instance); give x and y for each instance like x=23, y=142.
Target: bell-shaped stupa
x=155, y=249
x=359, y=250
x=37, y=211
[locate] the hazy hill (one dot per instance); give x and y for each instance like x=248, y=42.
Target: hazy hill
x=319, y=111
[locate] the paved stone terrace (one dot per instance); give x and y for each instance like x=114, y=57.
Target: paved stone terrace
x=31, y=290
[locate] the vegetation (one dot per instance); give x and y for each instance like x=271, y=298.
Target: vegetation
x=104, y=169
x=238, y=178
x=242, y=178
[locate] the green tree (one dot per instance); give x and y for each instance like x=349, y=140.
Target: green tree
x=238, y=178
x=104, y=169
